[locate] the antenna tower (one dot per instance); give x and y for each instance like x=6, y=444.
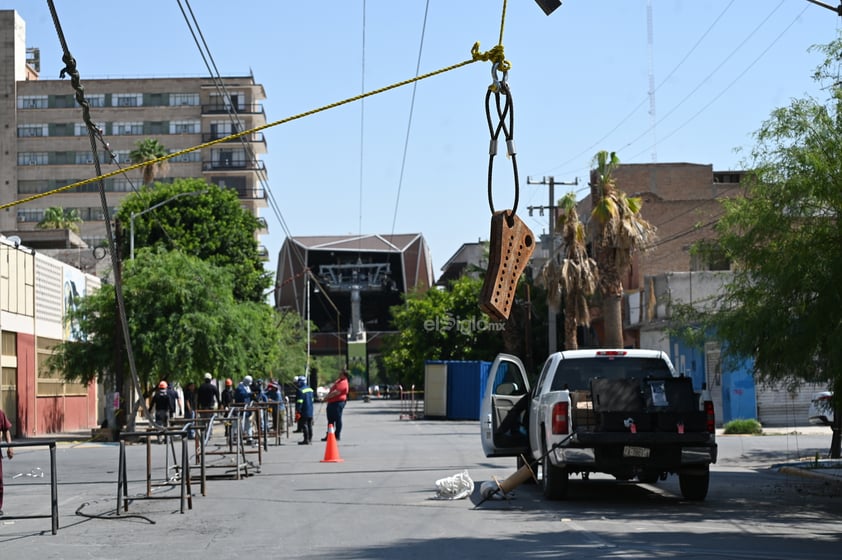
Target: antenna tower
x=650, y=43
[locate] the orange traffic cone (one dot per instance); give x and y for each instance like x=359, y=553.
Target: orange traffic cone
x=332, y=448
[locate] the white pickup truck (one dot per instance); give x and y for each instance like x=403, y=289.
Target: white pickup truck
x=626, y=413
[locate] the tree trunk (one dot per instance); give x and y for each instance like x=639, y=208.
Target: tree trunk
x=836, y=438
x=570, y=341
x=611, y=289
x=612, y=318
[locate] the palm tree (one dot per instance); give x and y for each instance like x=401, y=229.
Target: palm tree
x=149, y=150
x=578, y=274
x=57, y=217
x=618, y=231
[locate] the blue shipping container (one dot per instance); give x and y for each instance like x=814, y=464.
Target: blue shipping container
x=465, y=384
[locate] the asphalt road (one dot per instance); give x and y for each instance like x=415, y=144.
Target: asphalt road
x=380, y=503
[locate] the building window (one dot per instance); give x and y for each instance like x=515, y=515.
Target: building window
x=189, y=157
x=36, y=186
x=33, y=186
x=184, y=99
x=32, y=130
x=237, y=183
x=185, y=127
x=96, y=100
x=32, y=102
x=81, y=129
x=228, y=158
x=95, y=214
x=127, y=128
x=32, y=215
x=234, y=99
x=126, y=99
x=32, y=158
x=122, y=185
x=63, y=101
x=221, y=129
x=122, y=156
x=84, y=158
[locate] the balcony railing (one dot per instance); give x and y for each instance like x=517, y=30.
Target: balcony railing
x=256, y=137
x=233, y=165
x=222, y=109
x=244, y=193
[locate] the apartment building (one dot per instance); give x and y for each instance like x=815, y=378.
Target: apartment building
x=45, y=145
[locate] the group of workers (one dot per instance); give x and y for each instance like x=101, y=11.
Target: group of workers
x=207, y=399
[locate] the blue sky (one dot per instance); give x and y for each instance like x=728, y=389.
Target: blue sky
x=414, y=159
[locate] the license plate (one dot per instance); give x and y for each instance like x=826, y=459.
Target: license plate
x=632, y=451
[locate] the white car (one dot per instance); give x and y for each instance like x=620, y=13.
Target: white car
x=821, y=411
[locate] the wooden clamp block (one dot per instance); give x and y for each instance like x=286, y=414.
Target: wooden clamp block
x=510, y=246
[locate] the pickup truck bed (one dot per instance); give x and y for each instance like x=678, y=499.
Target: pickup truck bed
x=625, y=413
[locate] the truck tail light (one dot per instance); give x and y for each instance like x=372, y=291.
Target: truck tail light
x=710, y=422
x=560, y=415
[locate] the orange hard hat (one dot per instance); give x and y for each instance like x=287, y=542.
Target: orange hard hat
x=229, y=382
x=162, y=385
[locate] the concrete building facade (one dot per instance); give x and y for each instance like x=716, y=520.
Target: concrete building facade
x=45, y=145
x=36, y=293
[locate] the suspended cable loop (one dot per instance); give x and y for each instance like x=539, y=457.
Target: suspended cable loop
x=505, y=114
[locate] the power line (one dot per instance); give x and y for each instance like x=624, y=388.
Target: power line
x=233, y=116
x=409, y=122
x=707, y=78
x=631, y=113
x=730, y=85
x=362, y=135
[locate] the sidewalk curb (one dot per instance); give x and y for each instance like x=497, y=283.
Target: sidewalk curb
x=808, y=473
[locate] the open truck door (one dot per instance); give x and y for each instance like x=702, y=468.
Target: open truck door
x=504, y=409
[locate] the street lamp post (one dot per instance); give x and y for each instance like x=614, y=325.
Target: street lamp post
x=153, y=207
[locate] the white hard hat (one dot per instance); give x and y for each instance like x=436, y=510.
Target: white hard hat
x=208, y=376
x=247, y=379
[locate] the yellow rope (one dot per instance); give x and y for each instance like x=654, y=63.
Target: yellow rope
x=502, y=23
x=495, y=54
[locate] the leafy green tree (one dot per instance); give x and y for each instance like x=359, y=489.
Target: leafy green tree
x=782, y=308
x=440, y=325
x=183, y=321
x=56, y=217
x=149, y=149
x=203, y=220
x=277, y=342
x=618, y=231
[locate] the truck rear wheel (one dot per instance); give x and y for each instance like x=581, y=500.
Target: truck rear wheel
x=648, y=476
x=694, y=486
x=554, y=479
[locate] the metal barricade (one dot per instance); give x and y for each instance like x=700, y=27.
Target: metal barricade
x=53, y=481
x=182, y=470
x=273, y=420
x=411, y=402
x=232, y=444
x=250, y=430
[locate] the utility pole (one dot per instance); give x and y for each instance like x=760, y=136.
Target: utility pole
x=552, y=331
